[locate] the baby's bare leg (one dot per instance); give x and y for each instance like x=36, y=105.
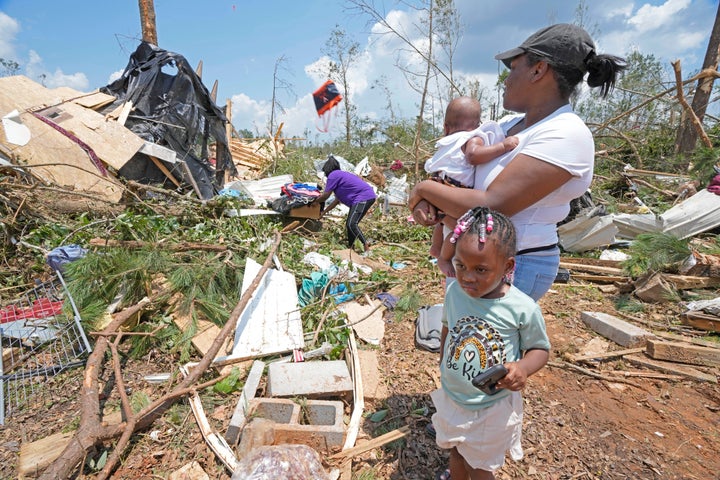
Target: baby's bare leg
x=437, y=240
x=446, y=255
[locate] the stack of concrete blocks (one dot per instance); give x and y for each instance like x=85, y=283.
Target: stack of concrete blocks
x=315, y=423
x=303, y=418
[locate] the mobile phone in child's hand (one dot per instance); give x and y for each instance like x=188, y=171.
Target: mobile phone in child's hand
x=487, y=380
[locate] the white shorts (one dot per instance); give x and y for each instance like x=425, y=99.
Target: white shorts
x=481, y=436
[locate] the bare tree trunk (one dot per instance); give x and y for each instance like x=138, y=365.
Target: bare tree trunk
x=688, y=134
x=147, y=21
x=423, y=97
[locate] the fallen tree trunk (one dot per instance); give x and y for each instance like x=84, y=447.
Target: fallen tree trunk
x=92, y=432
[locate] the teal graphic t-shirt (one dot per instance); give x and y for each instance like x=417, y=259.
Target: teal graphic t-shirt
x=485, y=332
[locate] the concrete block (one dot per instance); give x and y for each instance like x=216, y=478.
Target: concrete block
x=316, y=423
x=309, y=379
x=615, y=329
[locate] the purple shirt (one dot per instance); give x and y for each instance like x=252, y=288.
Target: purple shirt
x=348, y=187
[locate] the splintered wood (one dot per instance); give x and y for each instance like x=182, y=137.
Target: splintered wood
x=252, y=156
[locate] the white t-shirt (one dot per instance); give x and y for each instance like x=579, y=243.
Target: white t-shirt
x=449, y=158
x=561, y=139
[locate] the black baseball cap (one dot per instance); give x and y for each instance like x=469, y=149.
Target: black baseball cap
x=563, y=44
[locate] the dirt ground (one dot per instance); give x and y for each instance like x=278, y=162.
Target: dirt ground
x=576, y=426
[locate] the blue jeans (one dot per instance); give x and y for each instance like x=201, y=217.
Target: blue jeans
x=535, y=274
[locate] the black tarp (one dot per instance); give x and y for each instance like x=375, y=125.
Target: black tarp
x=172, y=108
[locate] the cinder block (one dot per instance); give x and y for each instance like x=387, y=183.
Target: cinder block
x=316, y=423
x=309, y=379
x=615, y=329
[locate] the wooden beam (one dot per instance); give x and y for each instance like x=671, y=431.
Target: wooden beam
x=592, y=268
x=600, y=356
x=673, y=368
x=374, y=443
x=701, y=321
x=124, y=112
x=684, y=282
x=683, y=353
x=165, y=170
x=213, y=92
x=599, y=278
x=198, y=70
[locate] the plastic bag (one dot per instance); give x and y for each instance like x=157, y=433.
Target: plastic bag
x=289, y=462
x=58, y=257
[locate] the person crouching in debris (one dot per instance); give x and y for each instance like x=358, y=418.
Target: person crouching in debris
x=488, y=324
x=352, y=191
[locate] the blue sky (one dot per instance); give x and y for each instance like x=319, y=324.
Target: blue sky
x=85, y=44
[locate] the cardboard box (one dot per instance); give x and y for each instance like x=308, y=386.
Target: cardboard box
x=306, y=211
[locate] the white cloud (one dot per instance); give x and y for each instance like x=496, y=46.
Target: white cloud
x=667, y=29
x=114, y=76
x=35, y=70
x=9, y=27
x=250, y=114
x=650, y=17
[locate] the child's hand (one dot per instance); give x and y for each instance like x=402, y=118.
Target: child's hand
x=516, y=378
x=510, y=143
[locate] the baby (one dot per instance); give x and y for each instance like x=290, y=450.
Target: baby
x=450, y=166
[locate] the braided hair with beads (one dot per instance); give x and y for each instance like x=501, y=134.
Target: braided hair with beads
x=483, y=222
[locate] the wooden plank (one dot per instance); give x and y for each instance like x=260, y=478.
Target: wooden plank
x=673, y=368
x=94, y=100
x=683, y=353
x=36, y=456
x=702, y=321
x=683, y=282
x=592, y=261
x=69, y=166
x=684, y=338
x=372, y=444
x=213, y=92
x=592, y=268
x=189, y=177
x=601, y=356
x=164, y=169
x=598, y=278
x=206, y=332
x=124, y=112
x=239, y=417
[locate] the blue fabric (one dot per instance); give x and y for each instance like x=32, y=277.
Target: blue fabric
x=58, y=257
x=312, y=287
x=535, y=274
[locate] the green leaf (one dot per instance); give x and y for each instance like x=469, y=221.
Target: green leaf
x=379, y=416
x=230, y=383
x=100, y=463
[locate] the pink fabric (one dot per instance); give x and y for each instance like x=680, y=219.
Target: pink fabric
x=714, y=186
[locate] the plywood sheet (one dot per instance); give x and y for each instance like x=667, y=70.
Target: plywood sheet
x=69, y=165
x=112, y=142
x=271, y=320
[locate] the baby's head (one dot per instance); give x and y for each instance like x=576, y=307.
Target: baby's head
x=462, y=115
x=485, y=243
